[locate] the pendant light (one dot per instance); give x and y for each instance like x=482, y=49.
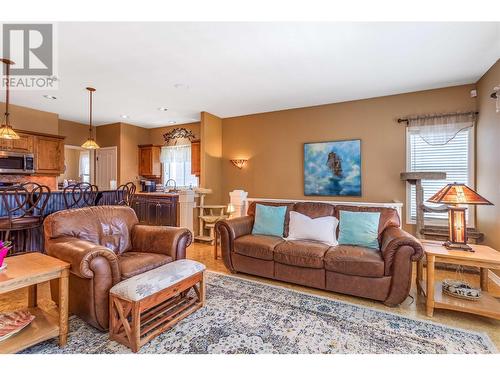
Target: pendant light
x=6, y=131
x=90, y=143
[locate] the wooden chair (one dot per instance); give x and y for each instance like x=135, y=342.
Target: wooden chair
x=80, y=195
x=24, y=206
x=125, y=194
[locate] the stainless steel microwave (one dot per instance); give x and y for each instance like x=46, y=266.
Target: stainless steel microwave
x=16, y=162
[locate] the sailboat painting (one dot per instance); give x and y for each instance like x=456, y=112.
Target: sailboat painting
x=333, y=168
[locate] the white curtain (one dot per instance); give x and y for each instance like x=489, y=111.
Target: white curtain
x=177, y=164
x=440, y=129
x=176, y=154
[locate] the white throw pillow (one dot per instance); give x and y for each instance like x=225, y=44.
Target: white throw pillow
x=321, y=229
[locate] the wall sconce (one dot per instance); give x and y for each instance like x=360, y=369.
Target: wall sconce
x=496, y=96
x=239, y=163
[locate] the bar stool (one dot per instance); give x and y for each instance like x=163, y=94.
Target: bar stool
x=125, y=194
x=24, y=210
x=80, y=195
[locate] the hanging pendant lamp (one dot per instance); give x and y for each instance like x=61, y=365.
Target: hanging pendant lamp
x=90, y=143
x=6, y=131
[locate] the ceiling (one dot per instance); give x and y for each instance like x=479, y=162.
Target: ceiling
x=232, y=69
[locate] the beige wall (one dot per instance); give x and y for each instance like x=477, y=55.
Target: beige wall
x=156, y=134
x=273, y=142
x=130, y=137
x=211, y=158
x=24, y=118
x=76, y=133
x=109, y=135
x=488, y=157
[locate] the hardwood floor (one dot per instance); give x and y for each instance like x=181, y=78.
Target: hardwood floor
x=411, y=308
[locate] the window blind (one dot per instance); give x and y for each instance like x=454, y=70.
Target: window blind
x=453, y=158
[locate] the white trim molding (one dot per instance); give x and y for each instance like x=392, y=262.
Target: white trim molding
x=398, y=206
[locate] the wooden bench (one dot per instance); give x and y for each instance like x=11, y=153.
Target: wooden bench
x=148, y=304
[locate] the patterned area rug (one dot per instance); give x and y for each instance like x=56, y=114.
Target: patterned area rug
x=243, y=316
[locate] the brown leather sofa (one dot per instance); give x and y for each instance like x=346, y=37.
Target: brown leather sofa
x=383, y=275
x=105, y=245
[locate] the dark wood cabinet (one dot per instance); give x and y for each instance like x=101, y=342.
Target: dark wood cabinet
x=195, y=158
x=156, y=209
x=149, y=161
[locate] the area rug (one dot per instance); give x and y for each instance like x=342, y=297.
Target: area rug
x=243, y=316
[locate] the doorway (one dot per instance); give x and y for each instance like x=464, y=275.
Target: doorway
x=106, y=167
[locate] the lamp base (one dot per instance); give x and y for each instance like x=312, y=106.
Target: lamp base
x=458, y=246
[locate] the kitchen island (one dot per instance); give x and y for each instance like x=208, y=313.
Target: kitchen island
x=156, y=208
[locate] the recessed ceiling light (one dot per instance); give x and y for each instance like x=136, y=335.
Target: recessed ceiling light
x=172, y=122
x=124, y=116
x=181, y=86
x=51, y=97
x=164, y=109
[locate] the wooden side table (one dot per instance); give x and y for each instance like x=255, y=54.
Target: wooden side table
x=483, y=257
x=28, y=270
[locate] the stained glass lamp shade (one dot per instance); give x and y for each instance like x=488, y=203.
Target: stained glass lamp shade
x=454, y=195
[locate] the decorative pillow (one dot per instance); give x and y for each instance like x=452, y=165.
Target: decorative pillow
x=359, y=228
x=269, y=220
x=321, y=229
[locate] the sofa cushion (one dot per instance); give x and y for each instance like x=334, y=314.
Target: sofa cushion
x=301, y=253
x=388, y=216
x=134, y=263
x=269, y=221
x=256, y=246
x=320, y=229
x=359, y=228
x=354, y=260
x=314, y=209
x=289, y=207
x=108, y=226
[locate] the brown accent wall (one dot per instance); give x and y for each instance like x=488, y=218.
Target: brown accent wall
x=273, y=142
x=156, y=134
x=488, y=157
x=24, y=118
x=76, y=133
x=211, y=158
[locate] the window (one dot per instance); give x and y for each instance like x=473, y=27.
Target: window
x=456, y=158
x=84, y=166
x=177, y=165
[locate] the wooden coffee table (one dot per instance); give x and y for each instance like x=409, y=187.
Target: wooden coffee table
x=483, y=257
x=28, y=270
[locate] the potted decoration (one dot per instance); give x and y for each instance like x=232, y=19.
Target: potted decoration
x=4, y=249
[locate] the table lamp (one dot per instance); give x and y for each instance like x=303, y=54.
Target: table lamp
x=453, y=195
x=230, y=210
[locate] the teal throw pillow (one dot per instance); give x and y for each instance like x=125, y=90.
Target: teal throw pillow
x=269, y=220
x=359, y=228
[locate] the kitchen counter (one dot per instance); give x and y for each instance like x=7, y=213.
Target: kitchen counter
x=157, y=194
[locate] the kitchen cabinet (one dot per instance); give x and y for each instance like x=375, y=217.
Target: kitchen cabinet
x=23, y=144
x=195, y=158
x=156, y=209
x=149, y=161
x=49, y=154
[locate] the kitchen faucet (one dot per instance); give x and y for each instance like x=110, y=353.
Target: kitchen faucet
x=167, y=186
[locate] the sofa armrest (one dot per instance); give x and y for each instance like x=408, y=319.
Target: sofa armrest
x=80, y=254
x=229, y=230
x=238, y=226
x=171, y=241
x=394, y=238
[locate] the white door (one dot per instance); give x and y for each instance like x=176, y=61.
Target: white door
x=106, y=160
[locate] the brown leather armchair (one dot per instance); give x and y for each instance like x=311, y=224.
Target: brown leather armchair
x=104, y=245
